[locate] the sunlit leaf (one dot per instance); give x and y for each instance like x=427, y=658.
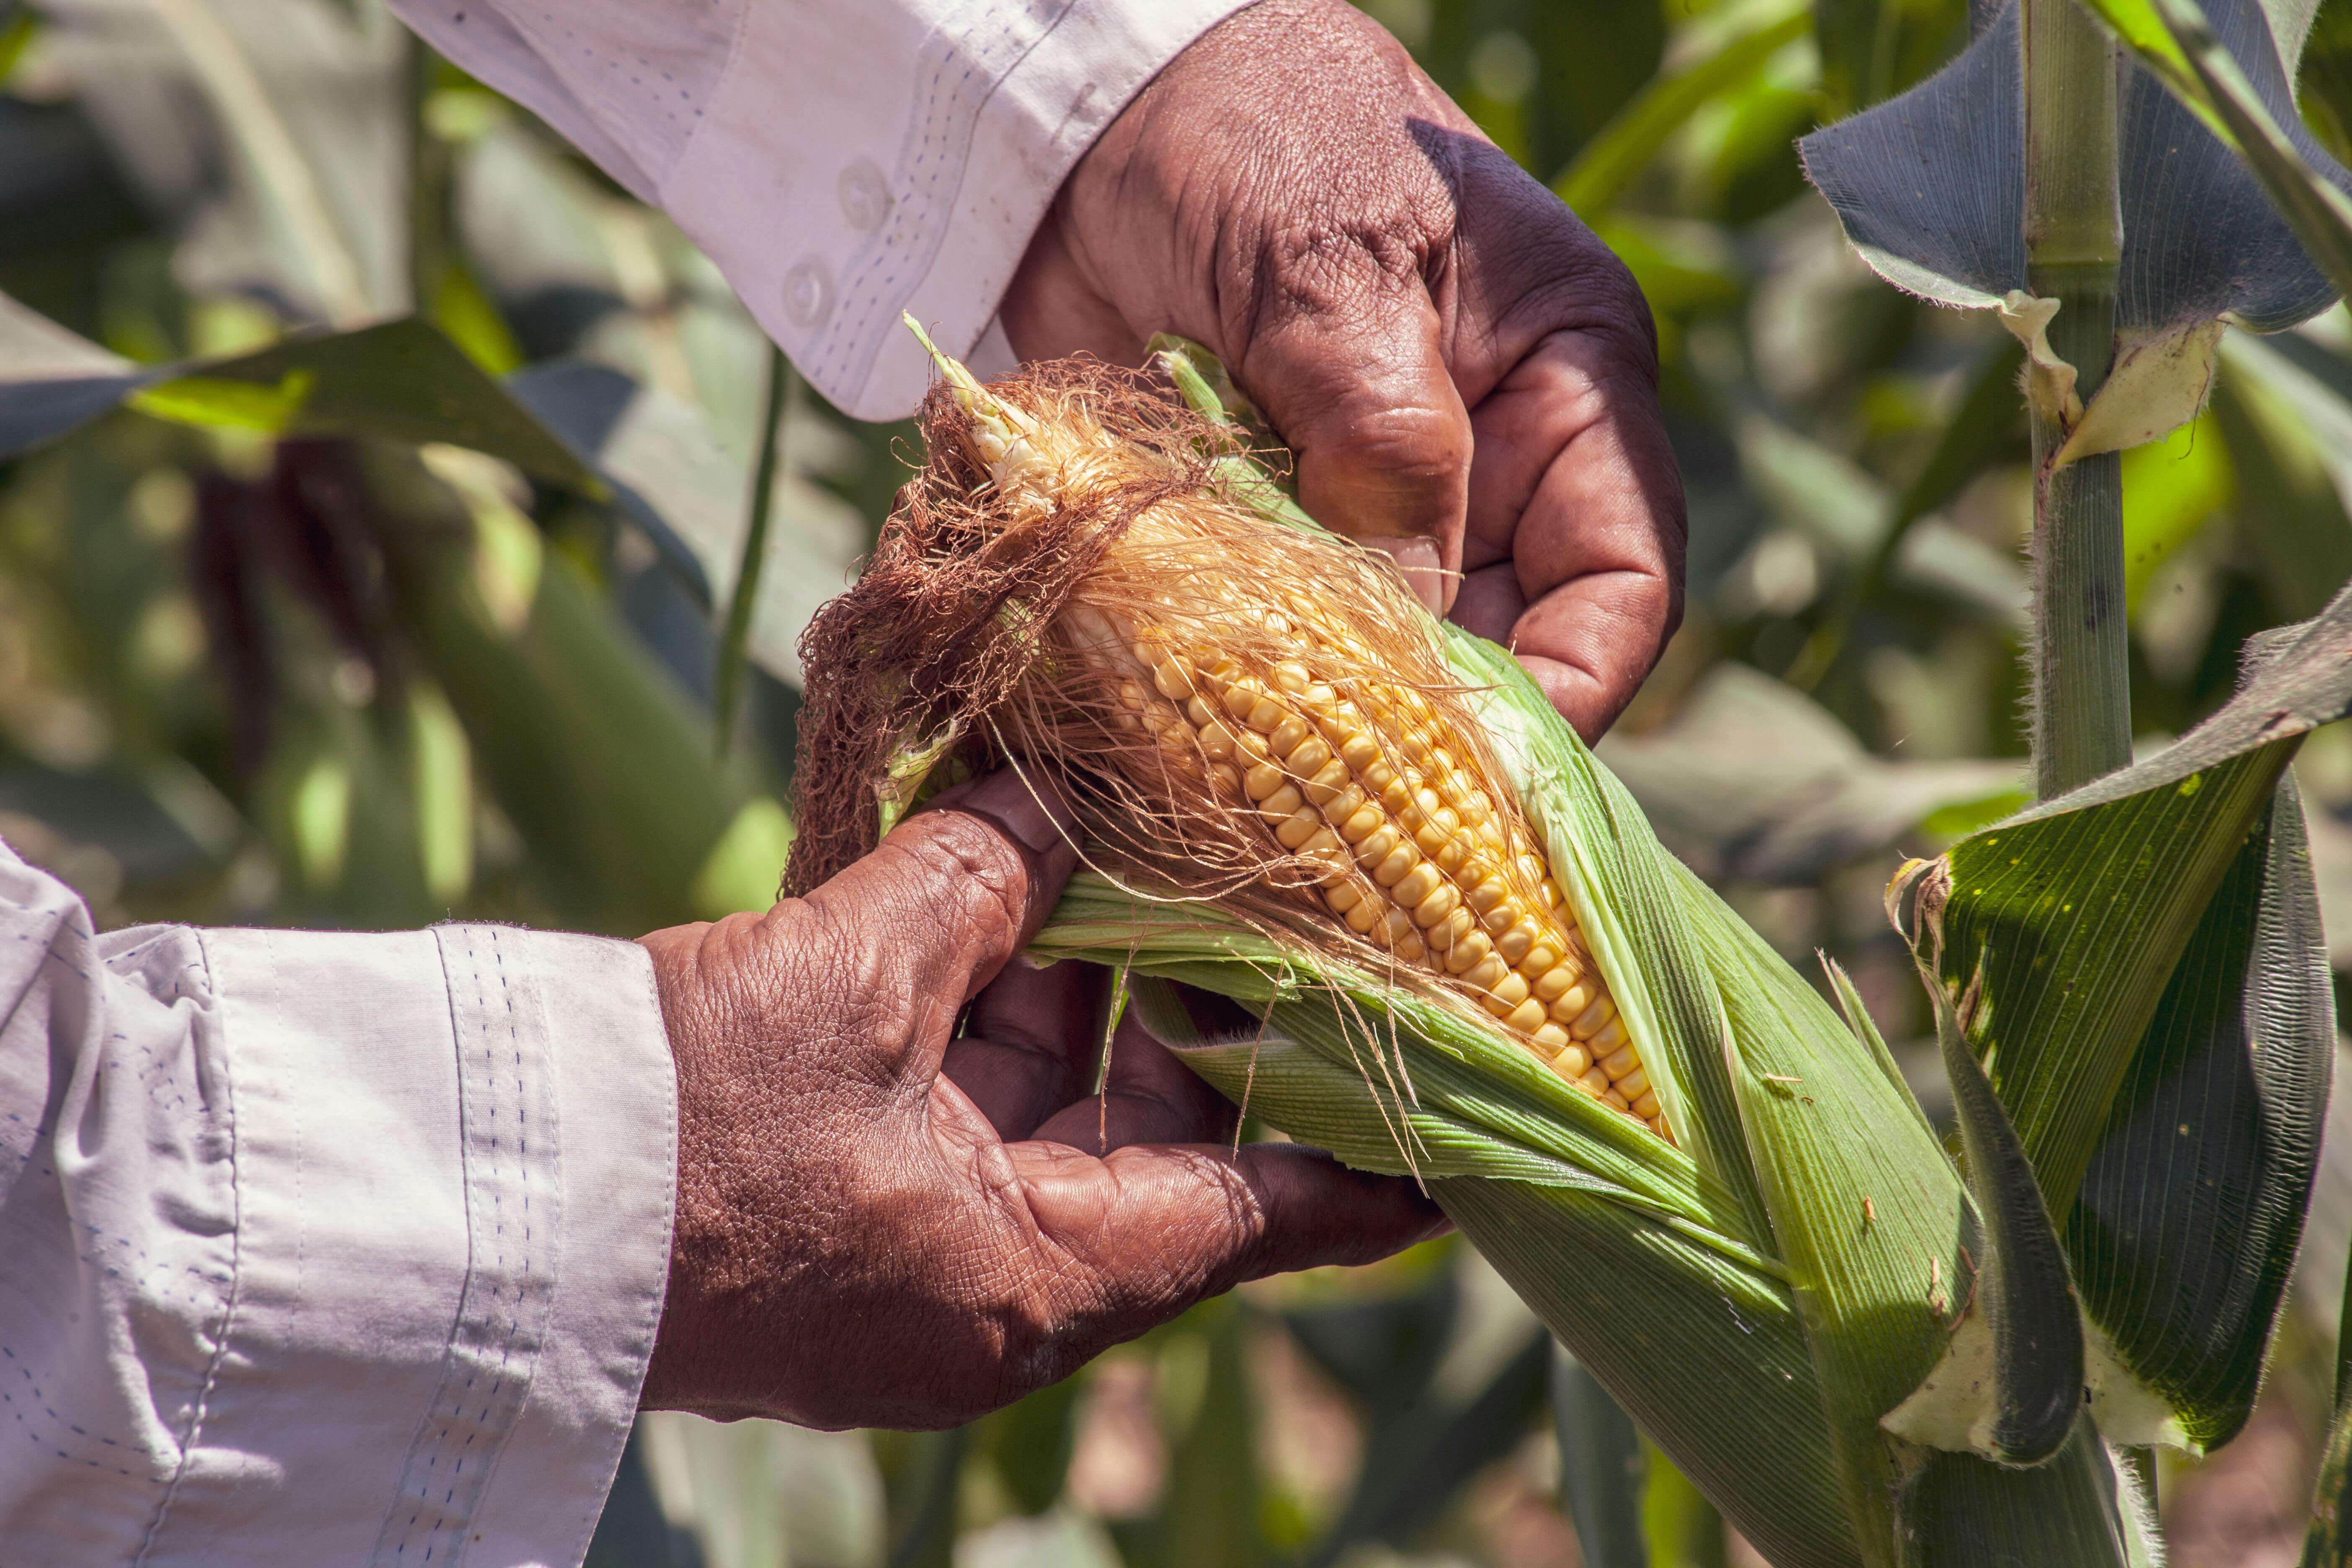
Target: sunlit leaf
x=670, y=476
x=2170, y=489
x=223, y=404
x=601, y=762
x=402, y=380
x=1680, y=1527
x=1611, y=160
x=2290, y=436
x=1600, y=1467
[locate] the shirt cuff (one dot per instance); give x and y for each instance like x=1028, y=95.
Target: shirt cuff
x=968, y=123
x=455, y=1169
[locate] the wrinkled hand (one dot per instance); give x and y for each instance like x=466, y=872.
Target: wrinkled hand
x=1468, y=378
x=878, y=1226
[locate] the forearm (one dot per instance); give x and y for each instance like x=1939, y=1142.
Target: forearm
x=317, y=1245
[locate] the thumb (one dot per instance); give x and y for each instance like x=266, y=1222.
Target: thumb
x=1356, y=383
x=957, y=890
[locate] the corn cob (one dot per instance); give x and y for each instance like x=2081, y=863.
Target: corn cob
x=1358, y=779
x=1415, y=857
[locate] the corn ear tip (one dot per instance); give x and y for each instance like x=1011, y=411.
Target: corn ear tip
x=976, y=399
x=950, y=369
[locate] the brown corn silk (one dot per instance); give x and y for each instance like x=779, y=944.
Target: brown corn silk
x=1242, y=711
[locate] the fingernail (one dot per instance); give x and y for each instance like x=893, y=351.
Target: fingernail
x=1026, y=808
x=1423, y=571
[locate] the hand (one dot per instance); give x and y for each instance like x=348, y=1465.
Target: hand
x=879, y=1228
x=1468, y=378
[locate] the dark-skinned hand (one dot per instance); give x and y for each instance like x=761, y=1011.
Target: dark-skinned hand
x=881, y=1225
x=1468, y=378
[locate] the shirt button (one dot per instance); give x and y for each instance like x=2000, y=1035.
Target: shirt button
x=808, y=292
x=864, y=195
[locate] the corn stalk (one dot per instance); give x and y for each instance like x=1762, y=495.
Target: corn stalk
x=2074, y=237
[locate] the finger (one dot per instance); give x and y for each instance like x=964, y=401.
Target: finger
x=947, y=899
x=1490, y=602
x=1149, y=1096
x=1146, y=1231
x=1577, y=489
x=1029, y=1042
x=1348, y=364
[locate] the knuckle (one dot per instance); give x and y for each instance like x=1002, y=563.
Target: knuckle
x=1415, y=449
x=964, y=870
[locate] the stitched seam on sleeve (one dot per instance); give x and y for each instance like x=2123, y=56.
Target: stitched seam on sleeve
x=961, y=70
x=193, y=1432
x=508, y=1145
x=650, y=1323
x=717, y=91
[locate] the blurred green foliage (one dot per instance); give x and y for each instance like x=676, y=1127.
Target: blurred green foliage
x=387, y=668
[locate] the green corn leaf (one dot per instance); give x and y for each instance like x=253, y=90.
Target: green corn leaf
x=2082, y=1509
x=2282, y=425
x=2233, y=83
x=2190, y=1211
x=1600, y=1467
x=1866, y=1226
x=601, y=762
x=1624, y=148
x=1576, y=1206
x=222, y=403
x=2328, y=1543
x=2154, y=1015
x=1659, y=977
x=2007, y=1388
x=2076, y=917
x=403, y=380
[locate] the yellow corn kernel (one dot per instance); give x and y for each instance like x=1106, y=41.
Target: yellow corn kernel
x=1440, y=906
x=1469, y=951
x=1296, y=830
x=1307, y=758
x=1589, y=1022
x=1409, y=850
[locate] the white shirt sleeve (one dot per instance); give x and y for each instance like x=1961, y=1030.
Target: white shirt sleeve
x=321, y=1247
x=842, y=160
